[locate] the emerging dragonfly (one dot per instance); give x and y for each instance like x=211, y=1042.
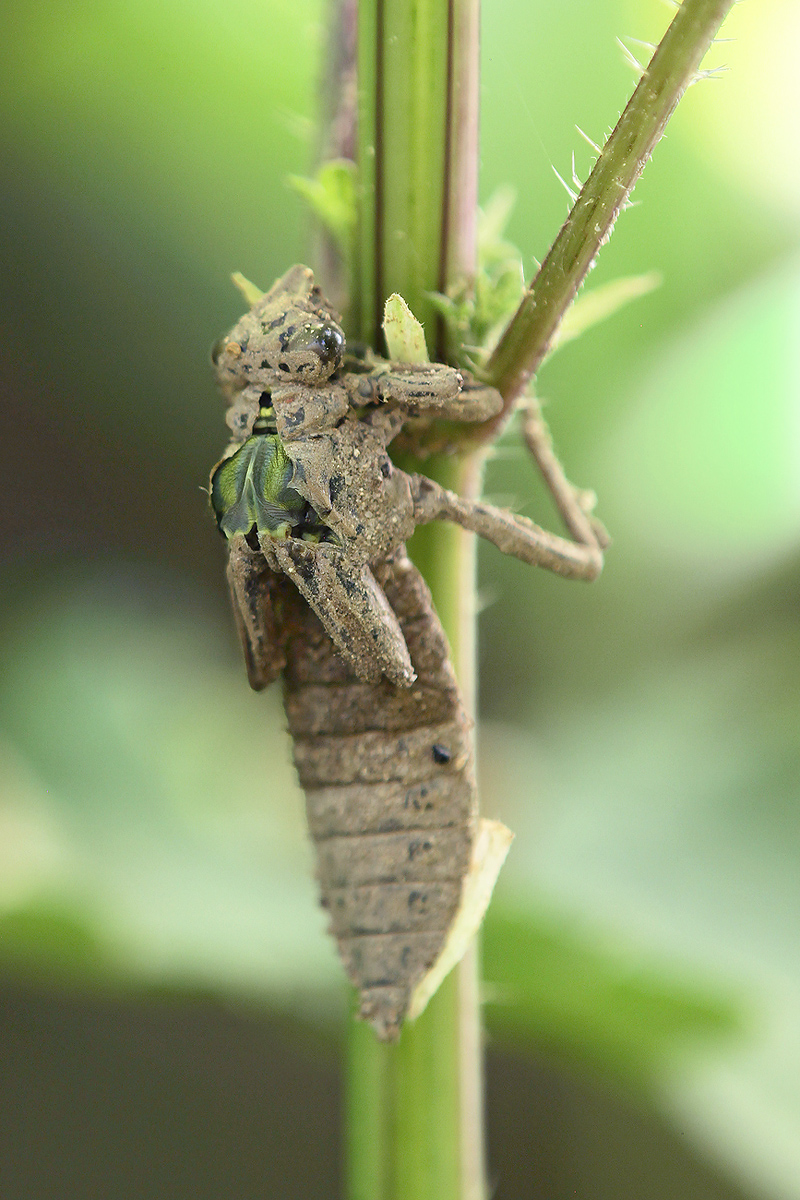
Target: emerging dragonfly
x=312, y=506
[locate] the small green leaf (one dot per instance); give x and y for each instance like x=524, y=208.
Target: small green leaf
x=476, y=313
x=723, y=396
x=331, y=195
x=405, y=336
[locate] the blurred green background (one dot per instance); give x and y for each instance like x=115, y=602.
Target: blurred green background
x=171, y=1008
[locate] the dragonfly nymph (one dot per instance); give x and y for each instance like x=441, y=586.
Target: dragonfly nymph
x=316, y=517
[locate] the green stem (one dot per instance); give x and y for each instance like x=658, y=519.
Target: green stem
x=414, y=1109
x=672, y=68
x=417, y=157
x=415, y=1128
x=442, y=1056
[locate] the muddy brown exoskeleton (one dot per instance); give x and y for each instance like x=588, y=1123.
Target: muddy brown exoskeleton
x=349, y=506
x=312, y=506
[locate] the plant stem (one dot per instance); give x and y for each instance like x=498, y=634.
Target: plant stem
x=672, y=68
x=415, y=1109
x=415, y=1127
x=446, y=555
x=417, y=157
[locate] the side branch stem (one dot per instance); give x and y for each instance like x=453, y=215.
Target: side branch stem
x=415, y=1128
x=672, y=68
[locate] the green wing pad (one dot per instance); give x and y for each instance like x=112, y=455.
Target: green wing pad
x=251, y=490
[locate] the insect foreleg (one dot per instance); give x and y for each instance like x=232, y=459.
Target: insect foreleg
x=429, y=389
x=512, y=534
x=477, y=402
x=353, y=608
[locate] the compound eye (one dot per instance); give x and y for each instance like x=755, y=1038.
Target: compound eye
x=328, y=343
x=313, y=351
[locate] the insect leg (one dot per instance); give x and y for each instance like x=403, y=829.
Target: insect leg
x=511, y=533
x=574, y=505
x=352, y=607
x=252, y=586
x=435, y=390
x=477, y=402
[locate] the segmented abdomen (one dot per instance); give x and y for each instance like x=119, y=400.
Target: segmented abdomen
x=390, y=796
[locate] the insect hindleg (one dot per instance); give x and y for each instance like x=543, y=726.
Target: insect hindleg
x=580, y=558
x=512, y=534
x=574, y=505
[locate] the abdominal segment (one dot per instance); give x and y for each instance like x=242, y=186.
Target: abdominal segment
x=390, y=795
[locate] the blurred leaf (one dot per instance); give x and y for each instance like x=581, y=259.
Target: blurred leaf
x=664, y=816
x=707, y=464
x=600, y=303
x=166, y=788
x=331, y=196
x=589, y=1005
x=723, y=505
x=33, y=847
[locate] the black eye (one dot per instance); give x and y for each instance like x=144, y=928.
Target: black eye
x=328, y=344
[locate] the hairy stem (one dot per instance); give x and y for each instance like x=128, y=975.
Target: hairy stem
x=672, y=68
